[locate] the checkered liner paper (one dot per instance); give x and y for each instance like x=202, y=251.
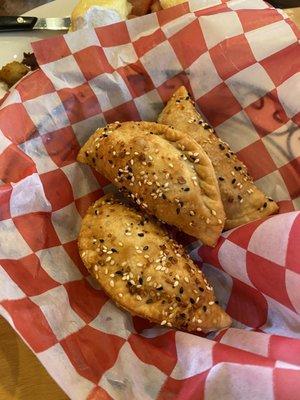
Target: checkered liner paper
x=241, y=62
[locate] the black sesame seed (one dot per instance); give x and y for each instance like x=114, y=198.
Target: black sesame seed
x=114, y=250
x=227, y=155
x=216, y=302
x=265, y=205
x=86, y=154
x=177, y=211
x=186, y=189
x=221, y=178
x=160, y=288
x=187, y=98
x=270, y=200
x=140, y=234
x=239, y=197
x=101, y=240
x=129, y=283
x=141, y=281
x=204, y=308
x=221, y=146
x=181, y=290
x=201, y=289
x=192, y=300
x=119, y=272
x=178, y=299
x=181, y=203
x=149, y=301
x=164, y=196
x=233, y=181
x=182, y=315
x=145, y=248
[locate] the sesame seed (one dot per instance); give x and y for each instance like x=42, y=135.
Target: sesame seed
x=186, y=279
x=112, y=275
x=120, y=244
x=163, y=322
x=220, y=221
x=177, y=277
x=149, y=278
x=211, y=303
x=176, y=283
x=197, y=161
x=139, y=264
x=120, y=294
x=192, y=213
x=112, y=262
x=171, y=165
x=123, y=263
x=108, y=259
x=169, y=324
x=232, y=173
x=132, y=281
x=96, y=267
x=207, y=221
x=138, y=298
x=199, y=321
x=112, y=283
x=106, y=271
x=213, y=212
x=199, y=329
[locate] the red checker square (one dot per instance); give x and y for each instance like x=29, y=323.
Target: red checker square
x=92, y=344
x=282, y=58
x=99, y=63
x=29, y=275
x=171, y=85
x=113, y=35
x=278, y=346
x=286, y=384
x=62, y=146
x=210, y=254
x=146, y=43
x=31, y=323
x=80, y=103
x=254, y=152
x=136, y=78
x=16, y=124
x=268, y=278
x=253, y=19
x=85, y=300
x=83, y=203
x=241, y=236
x=190, y=388
x=57, y=188
x=52, y=49
x=159, y=351
x=188, y=49
x=247, y=305
x=290, y=174
x=285, y=206
x=267, y=113
x=72, y=250
x=140, y=324
x=15, y=165
x=5, y=193
x=166, y=16
x=231, y=56
x=219, y=104
x=124, y=112
x=223, y=353
x=296, y=119
x=37, y=230
x=35, y=85
x=99, y=394
x=292, y=253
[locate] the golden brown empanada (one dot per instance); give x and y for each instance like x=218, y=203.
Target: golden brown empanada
x=144, y=271
x=242, y=200
x=167, y=173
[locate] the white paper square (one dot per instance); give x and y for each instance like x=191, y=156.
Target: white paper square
x=47, y=113
x=14, y=246
x=248, y=5
x=113, y=321
x=283, y=144
x=9, y=290
x=81, y=39
x=139, y=27
x=58, y=265
x=36, y=150
x=270, y=39
x=120, y=56
x=270, y=239
x=83, y=129
x=4, y=142
x=135, y=379
x=111, y=90
x=81, y=179
x=255, y=342
x=289, y=95
x=64, y=73
x=67, y=222
x=57, y=310
x=176, y=25
x=232, y=381
x=194, y=355
x=273, y=185
x=195, y=5
x=203, y=75
x=12, y=98
x=250, y=84
x=149, y=105
x=161, y=63
x=63, y=372
x=28, y=196
x=238, y=131
x=219, y=27
x=233, y=261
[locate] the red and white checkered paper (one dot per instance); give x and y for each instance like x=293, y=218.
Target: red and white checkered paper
x=241, y=61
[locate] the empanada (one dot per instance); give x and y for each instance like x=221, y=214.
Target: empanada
x=243, y=201
x=145, y=271
x=167, y=173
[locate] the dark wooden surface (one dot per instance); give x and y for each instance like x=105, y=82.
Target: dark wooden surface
x=17, y=7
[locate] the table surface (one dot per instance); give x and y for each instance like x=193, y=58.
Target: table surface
x=22, y=377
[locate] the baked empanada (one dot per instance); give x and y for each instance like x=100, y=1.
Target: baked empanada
x=167, y=173
x=243, y=201
x=144, y=270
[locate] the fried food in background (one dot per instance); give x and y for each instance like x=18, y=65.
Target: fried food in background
x=12, y=72
x=156, y=6
x=170, y=3
x=144, y=270
x=140, y=7
x=243, y=201
x=167, y=173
